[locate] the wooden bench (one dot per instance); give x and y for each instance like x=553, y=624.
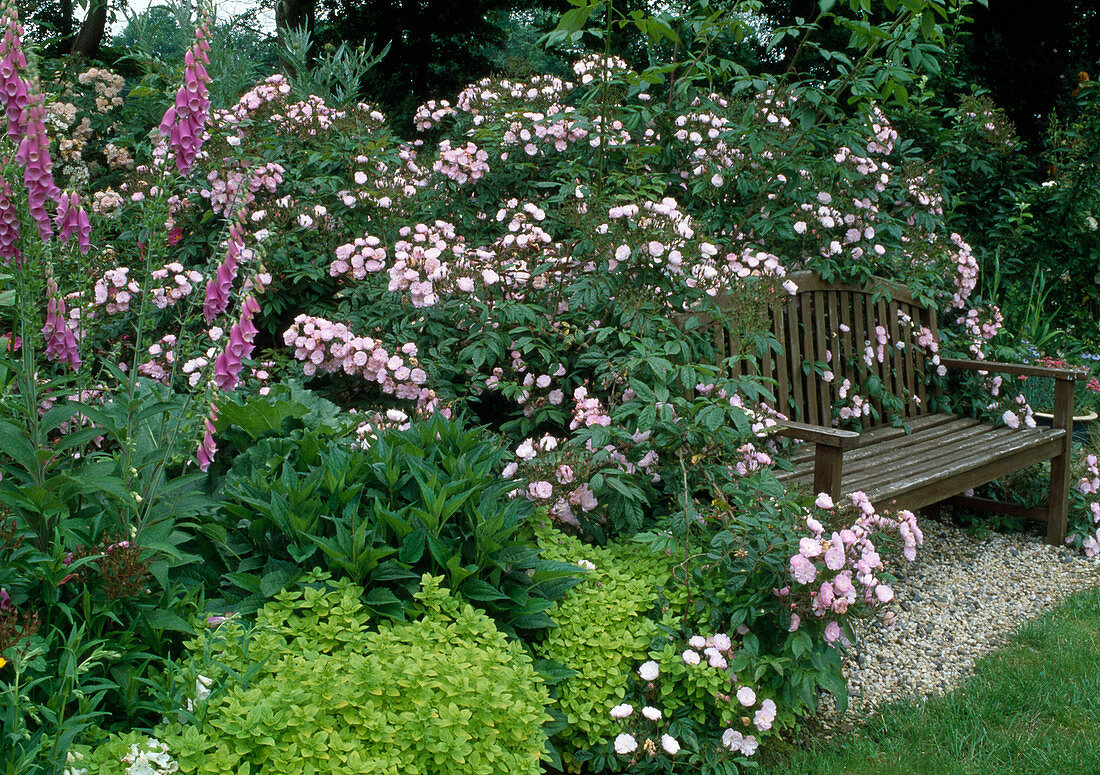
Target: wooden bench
x=910, y=454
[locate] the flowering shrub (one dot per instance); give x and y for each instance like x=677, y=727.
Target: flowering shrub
x=1084, y=522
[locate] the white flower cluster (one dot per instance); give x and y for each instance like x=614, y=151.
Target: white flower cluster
x=72, y=758
x=202, y=691
x=151, y=759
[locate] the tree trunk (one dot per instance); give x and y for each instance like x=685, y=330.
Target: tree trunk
x=91, y=31
x=293, y=15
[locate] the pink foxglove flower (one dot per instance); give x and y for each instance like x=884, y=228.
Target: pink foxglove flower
x=183, y=123
x=71, y=217
x=207, y=449
x=228, y=365
x=13, y=64
x=218, y=288
x=34, y=155
x=61, y=344
x=9, y=226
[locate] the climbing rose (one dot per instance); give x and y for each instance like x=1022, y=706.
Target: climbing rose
x=625, y=744
x=622, y=711
x=802, y=569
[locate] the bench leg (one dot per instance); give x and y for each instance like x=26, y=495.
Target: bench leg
x=827, y=466
x=1058, y=505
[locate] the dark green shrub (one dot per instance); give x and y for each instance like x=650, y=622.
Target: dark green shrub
x=426, y=499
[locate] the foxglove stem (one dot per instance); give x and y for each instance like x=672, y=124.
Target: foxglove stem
x=13, y=64
x=9, y=226
x=218, y=288
x=183, y=123
x=34, y=154
x=207, y=449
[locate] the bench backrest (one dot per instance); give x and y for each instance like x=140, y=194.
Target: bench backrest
x=826, y=327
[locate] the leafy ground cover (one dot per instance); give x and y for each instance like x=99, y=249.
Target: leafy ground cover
x=1030, y=707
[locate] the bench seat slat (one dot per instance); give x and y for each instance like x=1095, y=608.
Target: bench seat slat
x=876, y=454
x=889, y=476
x=804, y=453
x=936, y=483
x=965, y=446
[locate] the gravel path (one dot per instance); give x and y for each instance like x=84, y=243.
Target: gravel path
x=961, y=598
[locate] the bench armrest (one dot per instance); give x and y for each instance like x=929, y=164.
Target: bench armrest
x=818, y=434
x=1021, y=369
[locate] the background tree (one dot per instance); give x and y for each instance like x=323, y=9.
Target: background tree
x=436, y=46
x=1029, y=56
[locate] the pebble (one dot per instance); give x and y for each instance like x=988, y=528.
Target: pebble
x=964, y=596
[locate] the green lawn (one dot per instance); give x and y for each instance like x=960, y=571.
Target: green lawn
x=1031, y=707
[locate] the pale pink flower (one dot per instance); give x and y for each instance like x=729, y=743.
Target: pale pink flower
x=622, y=711
x=802, y=569
x=625, y=743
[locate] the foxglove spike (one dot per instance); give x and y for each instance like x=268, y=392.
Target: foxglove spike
x=71, y=217
x=207, y=449
x=61, y=344
x=184, y=122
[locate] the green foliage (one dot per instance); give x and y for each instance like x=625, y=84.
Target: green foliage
x=425, y=499
x=336, y=75
x=604, y=630
x=307, y=690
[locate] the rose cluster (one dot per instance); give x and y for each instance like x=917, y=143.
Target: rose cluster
x=327, y=347
x=840, y=569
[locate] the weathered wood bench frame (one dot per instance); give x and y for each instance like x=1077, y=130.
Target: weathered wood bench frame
x=917, y=457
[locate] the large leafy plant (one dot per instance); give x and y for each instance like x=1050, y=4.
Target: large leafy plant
x=425, y=499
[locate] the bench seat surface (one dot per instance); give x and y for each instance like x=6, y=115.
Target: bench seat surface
x=940, y=456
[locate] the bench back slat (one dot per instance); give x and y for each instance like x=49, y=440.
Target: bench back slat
x=829, y=327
